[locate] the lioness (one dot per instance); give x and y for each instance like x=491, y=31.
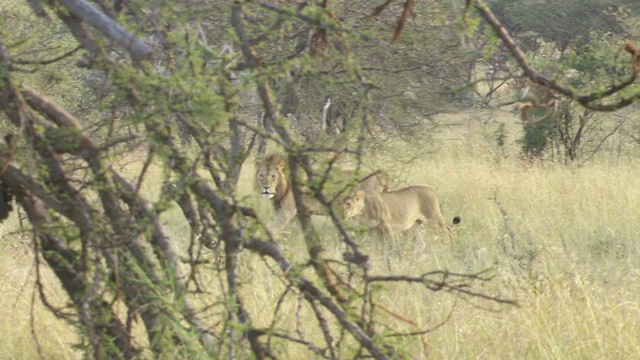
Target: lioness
x=273, y=181
x=398, y=210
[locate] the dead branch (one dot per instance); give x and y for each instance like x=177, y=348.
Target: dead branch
x=88, y=13
x=46, y=62
x=378, y=9
x=407, y=10
x=273, y=251
x=448, y=281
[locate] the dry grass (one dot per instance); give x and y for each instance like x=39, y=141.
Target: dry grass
x=24, y=322
x=567, y=250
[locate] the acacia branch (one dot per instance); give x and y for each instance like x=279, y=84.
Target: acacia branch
x=309, y=289
x=407, y=9
x=161, y=241
x=444, y=283
x=591, y=101
x=88, y=13
x=96, y=315
x=46, y=62
x=271, y=108
x=54, y=112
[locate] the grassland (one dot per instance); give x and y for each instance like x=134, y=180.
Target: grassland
x=563, y=241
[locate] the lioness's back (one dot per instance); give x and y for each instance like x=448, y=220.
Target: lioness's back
x=410, y=204
x=398, y=210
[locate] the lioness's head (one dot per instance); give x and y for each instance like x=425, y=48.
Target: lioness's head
x=353, y=204
x=271, y=176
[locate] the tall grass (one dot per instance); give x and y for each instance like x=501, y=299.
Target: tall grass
x=563, y=241
x=27, y=329
x=567, y=249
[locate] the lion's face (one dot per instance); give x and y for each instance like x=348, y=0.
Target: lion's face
x=270, y=177
x=353, y=204
x=268, y=181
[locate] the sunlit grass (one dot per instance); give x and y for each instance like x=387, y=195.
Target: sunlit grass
x=27, y=329
x=562, y=239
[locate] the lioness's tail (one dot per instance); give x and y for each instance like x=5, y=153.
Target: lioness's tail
x=456, y=220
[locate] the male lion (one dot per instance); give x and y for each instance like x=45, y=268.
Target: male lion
x=273, y=181
x=398, y=210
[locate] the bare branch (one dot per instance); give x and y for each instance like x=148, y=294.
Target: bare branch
x=593, y=101
x=46, y=62
x=444, y=283
x=273, y=251
x=407, y=10
x=87, y=12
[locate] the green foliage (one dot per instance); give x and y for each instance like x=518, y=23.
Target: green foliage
x=537, y=137
x=413, y=79
x=568, y=23
x=34, y=44
x=598, y=64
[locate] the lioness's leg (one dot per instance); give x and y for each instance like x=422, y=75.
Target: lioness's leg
x=383, y=231
x=450, y=232
x=439, y=220
x=443, y=225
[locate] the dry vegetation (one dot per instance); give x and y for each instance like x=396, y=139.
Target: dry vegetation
x=563, y=241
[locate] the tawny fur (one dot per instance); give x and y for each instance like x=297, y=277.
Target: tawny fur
x=273, y=182
x=395, y=211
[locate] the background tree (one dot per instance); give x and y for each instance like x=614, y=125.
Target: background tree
x=583, y=52
x=567, y=24
x=607, y=95
x=156, y=77
x=180, y=91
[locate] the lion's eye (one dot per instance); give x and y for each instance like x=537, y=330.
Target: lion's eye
x=261, y=177
x=273, y=177
x=347, y=205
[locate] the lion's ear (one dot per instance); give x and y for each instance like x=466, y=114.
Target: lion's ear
x=359, y=195
x=281, y=164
